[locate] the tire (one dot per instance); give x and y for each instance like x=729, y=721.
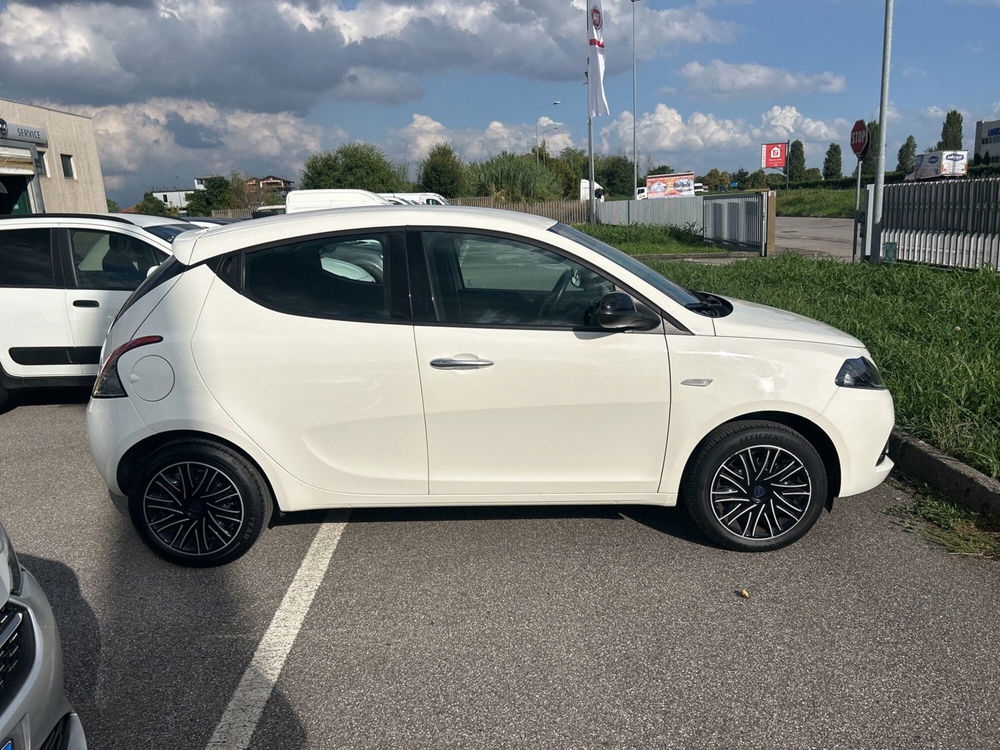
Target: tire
x=198, y=503
x=755, y=486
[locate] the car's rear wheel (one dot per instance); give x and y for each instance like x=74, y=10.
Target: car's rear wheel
x=199, y=503
x=755, y=486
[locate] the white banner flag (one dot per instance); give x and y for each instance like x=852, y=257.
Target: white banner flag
x=595, y=70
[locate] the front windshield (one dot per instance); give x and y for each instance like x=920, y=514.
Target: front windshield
x=169, y=231
x=677, y=293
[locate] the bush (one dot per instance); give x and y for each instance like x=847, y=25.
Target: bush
x=509, y=177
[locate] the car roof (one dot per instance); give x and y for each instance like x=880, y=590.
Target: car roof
x=194, y=247
x=41, y=218
x=146, y=220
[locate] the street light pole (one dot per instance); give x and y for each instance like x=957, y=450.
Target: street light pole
x=876, y=238
x=537, y=110
x=635, y=152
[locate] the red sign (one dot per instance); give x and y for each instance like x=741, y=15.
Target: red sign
x=773, y=155
x=859, y=138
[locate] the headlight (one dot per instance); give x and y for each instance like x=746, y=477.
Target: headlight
x=859, y=373
x=15, y=566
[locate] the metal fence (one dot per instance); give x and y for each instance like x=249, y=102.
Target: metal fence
x=677, y=212
x=738, y=221
x=568, y=212
x=954, y=223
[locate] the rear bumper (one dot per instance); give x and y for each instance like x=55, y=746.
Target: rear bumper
x=113, y=426
x=39, y=707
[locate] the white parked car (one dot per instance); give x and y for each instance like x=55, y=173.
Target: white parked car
x=420, y=199
x=63, y=278
x=164, y=227
x=460, y=356
x=317, y=200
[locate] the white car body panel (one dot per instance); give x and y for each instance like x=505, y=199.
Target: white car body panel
x=35, y=318
x=522, y=425
x=348, y=414
x=355, y=393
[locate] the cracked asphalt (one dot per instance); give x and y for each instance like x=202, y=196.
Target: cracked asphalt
x=583, y=627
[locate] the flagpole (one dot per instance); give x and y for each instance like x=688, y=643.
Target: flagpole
x=591, y=206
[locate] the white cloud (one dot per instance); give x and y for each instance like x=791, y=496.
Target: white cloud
x=139, y=143
x=423, y=133
x=720, y=79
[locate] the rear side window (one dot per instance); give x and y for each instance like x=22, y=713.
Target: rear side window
x=26, y=258
x=333, y=277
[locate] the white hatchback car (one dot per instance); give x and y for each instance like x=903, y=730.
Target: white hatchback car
x=392, y=356
x=63, y=278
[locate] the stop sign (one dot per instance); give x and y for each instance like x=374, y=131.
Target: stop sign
x=859, y=138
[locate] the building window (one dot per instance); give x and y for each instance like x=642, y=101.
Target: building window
x=67, y=166
x=41, y=165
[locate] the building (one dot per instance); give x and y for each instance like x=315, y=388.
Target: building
x=988, y=142
x=177, y=197
x=269, y=184
x=48, y=161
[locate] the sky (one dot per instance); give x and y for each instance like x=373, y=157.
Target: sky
x=185, y=88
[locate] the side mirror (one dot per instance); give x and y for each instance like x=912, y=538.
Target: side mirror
x=618, y=311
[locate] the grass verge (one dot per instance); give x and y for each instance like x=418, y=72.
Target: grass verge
x=958, y=530
x=934, y=334
x=816, y=202
x=647, y=239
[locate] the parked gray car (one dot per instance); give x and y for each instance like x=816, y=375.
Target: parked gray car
x=34, y=711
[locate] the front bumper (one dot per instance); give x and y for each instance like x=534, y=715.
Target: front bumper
x=863, y=420
x=38, y=710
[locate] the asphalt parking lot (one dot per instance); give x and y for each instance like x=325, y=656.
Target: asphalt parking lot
x=527, y=627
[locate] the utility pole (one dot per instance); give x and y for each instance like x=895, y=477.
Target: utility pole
x=876, y=238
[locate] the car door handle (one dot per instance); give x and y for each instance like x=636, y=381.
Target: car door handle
x=86, y=303
x=460, y=364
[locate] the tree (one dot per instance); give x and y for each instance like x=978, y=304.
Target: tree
x=216, y=194
x=869, y=164
x=614, y=174
x=359, y=166
x=796, y=162
x=951, y=132
x=662, y=169
x=442, y=172
x=757, y=180
x=152, y=206
x=741, y=177
x=570, y=167
x=512, y=177
x=715, y=180
x=833, y=165
x=813, y=174
x=112, y=206
x=907, y=155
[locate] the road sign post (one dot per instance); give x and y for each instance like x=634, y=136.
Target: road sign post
x=859, y=145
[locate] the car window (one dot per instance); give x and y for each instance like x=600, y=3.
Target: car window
x=110, y=260
x=25, y=258
x=496, y=281
x=338, y=277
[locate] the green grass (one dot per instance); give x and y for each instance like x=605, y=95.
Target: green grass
x=934, y=334
x=958, y=530
x=816, y=202
x=647, y=239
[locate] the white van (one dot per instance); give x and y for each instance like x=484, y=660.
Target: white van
x=316, y=200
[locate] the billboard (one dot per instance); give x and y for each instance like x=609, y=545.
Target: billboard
x=773, y=155
x=670, y=185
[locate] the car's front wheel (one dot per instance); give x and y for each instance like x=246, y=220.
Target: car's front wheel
x=755, y=486
x=199, y=503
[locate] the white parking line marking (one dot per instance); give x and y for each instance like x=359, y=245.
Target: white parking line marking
x=237, y=725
